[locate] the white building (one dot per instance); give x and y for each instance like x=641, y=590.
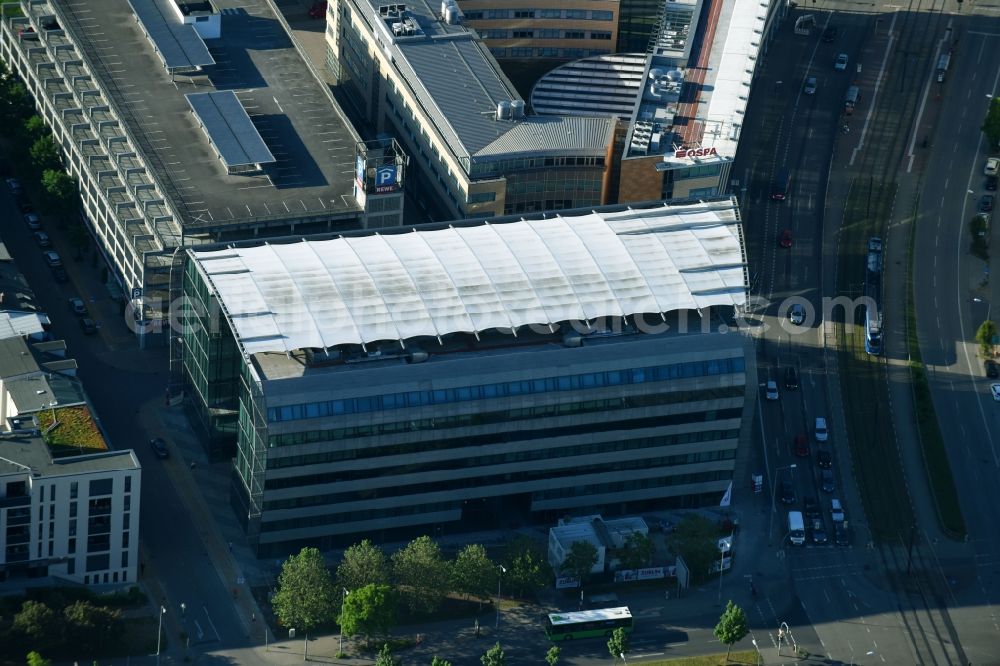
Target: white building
x=69, y=509
x=604, y=535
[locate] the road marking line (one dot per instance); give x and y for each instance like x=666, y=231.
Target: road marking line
x=878, y=84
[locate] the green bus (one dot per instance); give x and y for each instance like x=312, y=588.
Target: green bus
x=588, y=623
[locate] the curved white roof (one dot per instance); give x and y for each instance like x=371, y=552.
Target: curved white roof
x=358, y=290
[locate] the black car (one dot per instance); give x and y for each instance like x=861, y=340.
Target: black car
x=791, y=378
x=840, y=534
x=818, y=531
x=59, y=273
x=991, y=184
x=992, y=370
x=830, y=34
x=986, y=203
x=88, y=325
x=159, y=448
x=78, y=307
x=824, y=459
x=810, y=507
x=827, y=483
x=787, y=492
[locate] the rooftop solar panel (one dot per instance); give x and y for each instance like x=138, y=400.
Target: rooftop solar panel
x=230, y=129
x=178, y=44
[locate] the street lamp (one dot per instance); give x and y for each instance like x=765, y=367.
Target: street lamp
x=499, y=578
x=159, y=633
x=343, y=601
x=774, y=486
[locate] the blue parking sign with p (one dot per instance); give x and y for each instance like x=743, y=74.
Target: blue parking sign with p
x=385, y=175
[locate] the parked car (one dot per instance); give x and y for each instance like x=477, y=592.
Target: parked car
x=840, y=535
x=159, y=448
x=78, y=307
x=992, y=370
x=824, y=459
x=810, y=507
x=59, y=273
x=786, y=238
x=829, y=33
x=771, y=392
x=33, y=221
x=52, y=258
x=14, y=185
x=89, y=326
x=840, y=64
x=986, y=203
x=797, y=314
x=991, y=184
x=787, y=492
x=991, y=168
x=801, y=446
x=818, y=531
x=995, y=390
x=809, y=87
x=827, y=482
x=42, y=239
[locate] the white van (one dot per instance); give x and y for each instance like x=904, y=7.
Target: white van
x=796, y=528
x=822, y=434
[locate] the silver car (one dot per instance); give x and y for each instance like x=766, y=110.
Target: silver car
x=810, y=86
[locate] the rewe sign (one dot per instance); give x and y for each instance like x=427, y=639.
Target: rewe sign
x=695, y=152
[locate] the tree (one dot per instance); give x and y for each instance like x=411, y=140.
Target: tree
x=34, y=128
x=473, y=573
x=363, y=564
x=35, y=659
x=638, y=551
x=89, y=626
x=384, y=657
x=15, y=103
x=618, y=643
x=437, y=661
x=696, y=539
x=732, y=626
x=36, y=621
x=552, y=656
x=63, y=196
x=44, y=154
x=422, y=574
x=991, y=125
x=580, y=559
x=527, y=569
x=368, y=611
x=305, y=598
x=494, y=656
x=984, y=336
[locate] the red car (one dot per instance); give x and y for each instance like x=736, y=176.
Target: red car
x=318, y=9
x=801, y=446
x=786, y=238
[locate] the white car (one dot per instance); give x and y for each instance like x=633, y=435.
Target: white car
x=771, y=393
x=995, y=390
x=992, y=166
x=840, y=64
x=822, y=434
x=797, y=314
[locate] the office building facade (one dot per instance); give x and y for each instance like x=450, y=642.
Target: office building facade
x=475, y=375
x=428, y=80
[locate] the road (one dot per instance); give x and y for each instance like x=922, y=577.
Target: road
x=957, y=296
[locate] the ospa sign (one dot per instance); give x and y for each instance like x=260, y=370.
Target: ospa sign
x=695, y=152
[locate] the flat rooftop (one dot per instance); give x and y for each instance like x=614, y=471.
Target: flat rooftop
x=309, y=137
x=23, y=451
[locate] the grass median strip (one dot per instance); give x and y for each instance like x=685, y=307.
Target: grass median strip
x=936, y=462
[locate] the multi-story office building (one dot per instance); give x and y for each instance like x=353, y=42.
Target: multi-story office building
x=556, y=29
x=419, y=74
x=171, y=151
x=69, y=508
x=682, y=104
x=465, y=376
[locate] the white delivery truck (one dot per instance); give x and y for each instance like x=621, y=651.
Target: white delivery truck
x=796, y=528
